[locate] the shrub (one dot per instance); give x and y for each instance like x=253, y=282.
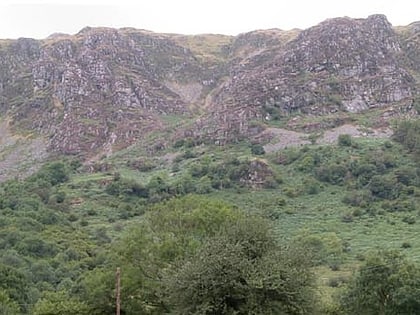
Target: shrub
x=72, y=217
x=189, y=154
x=306, y=164
x=406, y=245
x=334, y=174
x=142, y=165
x=347, y=218
x=357, y=212
x=384, y=186
x=288, y=156
x=311, y=186
x=337, y=281
x=358, y=198
x=407, y=176
x=257, y=149
x=408, y=133
x=203, y=186
x=292, y=192
x=409, y=219
x=345, y=140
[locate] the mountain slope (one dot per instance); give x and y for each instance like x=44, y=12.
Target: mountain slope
x=340, y=65
x=104, y=89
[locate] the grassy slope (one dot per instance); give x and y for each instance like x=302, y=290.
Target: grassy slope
x=295, y=212
x=318, y=213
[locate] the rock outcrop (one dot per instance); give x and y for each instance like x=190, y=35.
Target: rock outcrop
x=104, y=89
x=341, y=64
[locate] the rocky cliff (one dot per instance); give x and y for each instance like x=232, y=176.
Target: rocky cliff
x=98, y=88
x=341, y=64
x=104, y=89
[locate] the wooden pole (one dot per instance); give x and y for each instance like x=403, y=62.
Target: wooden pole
x=118, y=291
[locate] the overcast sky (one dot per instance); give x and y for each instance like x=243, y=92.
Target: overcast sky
x=40, y=18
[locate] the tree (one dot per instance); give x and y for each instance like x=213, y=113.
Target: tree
x=170, y=231
x=385, y=186
x=241, y=270
x=97, y=289
x=15, y=284
x=388, y=284
x=323, y=248
x=60, y=303
x=7, y=305
x=408, y=133
x=53, y=173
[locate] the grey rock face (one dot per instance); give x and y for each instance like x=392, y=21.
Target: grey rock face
x=105, y=88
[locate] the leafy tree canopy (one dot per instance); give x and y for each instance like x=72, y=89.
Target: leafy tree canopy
x=387, y=284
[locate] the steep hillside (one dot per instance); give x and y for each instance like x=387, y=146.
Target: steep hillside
x=340, y=65
x=144, y=153
x=93, y=89
x=104, y=89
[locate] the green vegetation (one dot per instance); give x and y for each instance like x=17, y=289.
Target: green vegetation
x=241, y=270
x=386, y=284
x=207, y=48
x=306, y=230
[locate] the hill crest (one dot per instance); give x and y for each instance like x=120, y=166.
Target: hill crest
x=104, y=89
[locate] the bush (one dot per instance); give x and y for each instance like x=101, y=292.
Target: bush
x=357, y=212
x=399, y=205
x=406, y=245
x=311, y=186
x=358, y=198
x=288, y=156
x=407, y=176
x=384, y=186
x=257, y=149
x=292, y=192
x=347, y=218
x=189, y=154
x=325, y=248
x=306, y=164
x=363, y=171
x=203, y=186
x=142, y=165
x=408, y=133
x=334, y=174
x=409, y=219
x=337, y=281
x=7, y=305
x=345, y=140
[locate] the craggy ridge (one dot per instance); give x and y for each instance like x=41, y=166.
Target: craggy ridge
x=104, y=89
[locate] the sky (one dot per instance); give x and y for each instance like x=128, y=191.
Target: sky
x=41, y=18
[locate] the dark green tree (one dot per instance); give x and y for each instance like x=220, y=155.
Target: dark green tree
x=7, y=305
x=97, y=290
x=170, y=231
x=241, y=270
x=60, y=303
x=387, y=284
x=407, y=132
x=16, y=285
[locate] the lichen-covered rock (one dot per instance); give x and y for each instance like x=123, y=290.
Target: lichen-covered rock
x=342, y=64
x=103, y=89
x=99, y=87
x=258, y=175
